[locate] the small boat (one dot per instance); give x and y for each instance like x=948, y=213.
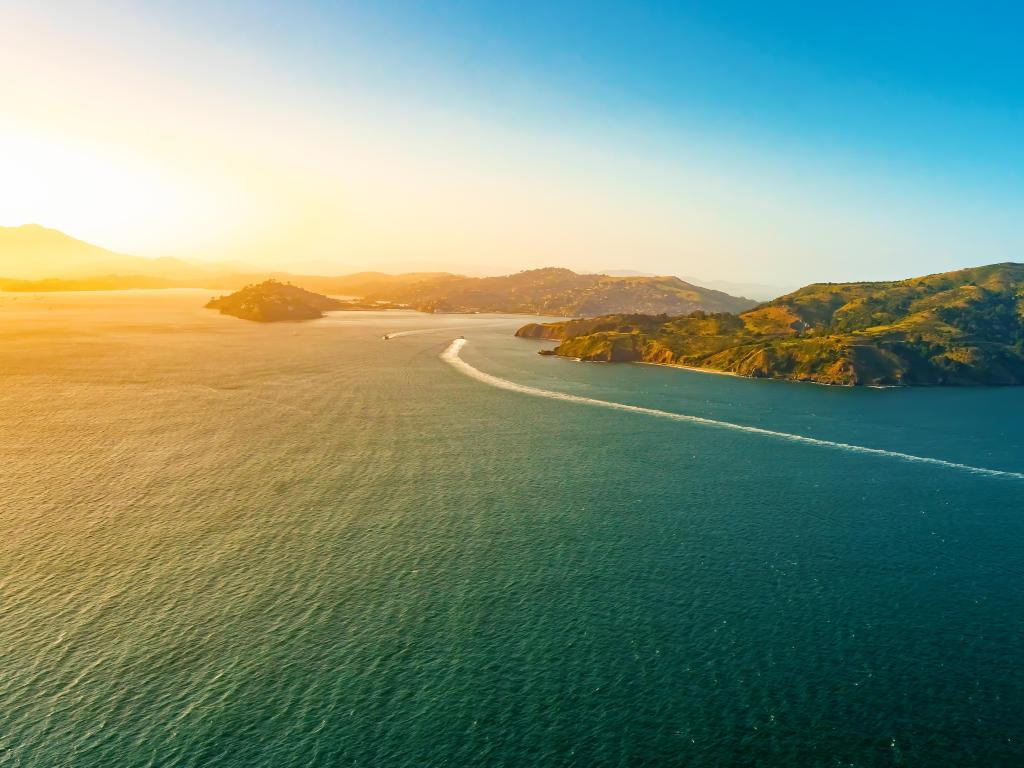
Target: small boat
x=386, y=337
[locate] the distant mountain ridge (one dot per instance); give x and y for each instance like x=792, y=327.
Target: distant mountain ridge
x=33, y=252
x=34, y=258
x=962, y=327
x=557, y=291
x=757, y=291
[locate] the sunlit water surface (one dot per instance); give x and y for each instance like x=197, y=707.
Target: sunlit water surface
x=232, y=544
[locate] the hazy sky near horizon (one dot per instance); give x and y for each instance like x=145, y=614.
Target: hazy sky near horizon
x=780, y=143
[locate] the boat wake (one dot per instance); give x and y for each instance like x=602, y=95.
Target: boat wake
x=417, y=332
x=452, y=357
x=449, y=328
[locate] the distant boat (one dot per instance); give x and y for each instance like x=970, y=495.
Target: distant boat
x=386, y=337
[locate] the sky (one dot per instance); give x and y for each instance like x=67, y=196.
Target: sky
x=780, y=143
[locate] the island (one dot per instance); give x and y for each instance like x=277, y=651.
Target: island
x=272, y=301
x=964, y=327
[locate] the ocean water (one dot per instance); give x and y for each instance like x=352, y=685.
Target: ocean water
x=230, y=544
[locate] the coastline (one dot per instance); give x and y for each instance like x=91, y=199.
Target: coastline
x=726, y=373
x=769, y=378
x=732, y=374
x=701, y=370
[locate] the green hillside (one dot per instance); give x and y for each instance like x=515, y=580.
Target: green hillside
x=963, y=327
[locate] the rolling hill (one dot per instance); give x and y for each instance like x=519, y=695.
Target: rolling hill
x=963, y=327
x=554, y=291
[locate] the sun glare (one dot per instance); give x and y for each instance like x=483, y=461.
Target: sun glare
x=93, y=190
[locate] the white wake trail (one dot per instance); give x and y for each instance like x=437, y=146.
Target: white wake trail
x=452, y=357
x=448, y=328
x=416, y=332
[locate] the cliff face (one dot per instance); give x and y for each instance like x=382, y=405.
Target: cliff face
x=271, y=301
x=539, y=331
x=964, y=327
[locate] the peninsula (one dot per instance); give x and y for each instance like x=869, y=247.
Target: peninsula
x=963, y=327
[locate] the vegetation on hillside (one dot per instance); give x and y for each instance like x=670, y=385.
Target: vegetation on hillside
x=963, y=327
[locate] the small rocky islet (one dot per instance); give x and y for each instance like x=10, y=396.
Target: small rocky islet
x=272, y=301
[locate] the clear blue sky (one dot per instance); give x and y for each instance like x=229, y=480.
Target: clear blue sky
x=779, y=142
x=936, y=87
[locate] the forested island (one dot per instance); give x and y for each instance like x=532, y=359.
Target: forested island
x=963, y=327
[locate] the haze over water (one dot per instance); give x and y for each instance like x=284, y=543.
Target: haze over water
x=224, y=543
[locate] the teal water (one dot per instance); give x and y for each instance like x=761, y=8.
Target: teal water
x=230, y=544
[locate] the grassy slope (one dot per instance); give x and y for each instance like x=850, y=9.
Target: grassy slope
x=964, y=327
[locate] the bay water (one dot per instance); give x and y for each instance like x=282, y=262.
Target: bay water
x=234, y=544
